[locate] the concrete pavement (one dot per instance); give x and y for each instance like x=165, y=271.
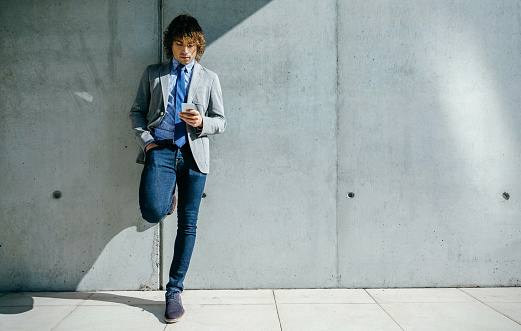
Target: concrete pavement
x=266, y=310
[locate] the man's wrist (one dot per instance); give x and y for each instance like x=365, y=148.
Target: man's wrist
x=148, y=144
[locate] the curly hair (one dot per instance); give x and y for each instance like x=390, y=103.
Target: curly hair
x=185, y=28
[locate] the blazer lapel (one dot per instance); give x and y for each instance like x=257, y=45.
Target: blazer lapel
x=196, y=77
x=164, y=72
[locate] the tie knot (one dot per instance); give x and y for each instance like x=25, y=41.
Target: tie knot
x=180, y=68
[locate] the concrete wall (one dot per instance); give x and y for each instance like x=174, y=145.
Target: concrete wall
x=429, y=140
x=69, y=72
x=269, y=216
x=412, y=107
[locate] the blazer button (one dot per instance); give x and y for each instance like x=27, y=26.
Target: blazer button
x=162, y=113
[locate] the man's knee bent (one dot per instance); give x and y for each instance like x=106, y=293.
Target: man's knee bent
x=152, y=215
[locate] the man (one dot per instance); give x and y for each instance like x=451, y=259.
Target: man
x=175, y=146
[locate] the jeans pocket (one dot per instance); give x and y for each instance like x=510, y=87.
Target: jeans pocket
x=155, y=148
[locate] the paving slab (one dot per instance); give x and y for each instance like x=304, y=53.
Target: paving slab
x=228, y=318
x=509, y=309
x=323, y=296
x=334, y=317
x=496, y=294
x=228, y=297
x=43, y=299
x=306, y=309
x=132, y=298
x=39, y=318
x=461, y=316
x=410, y=295
x=114, y=318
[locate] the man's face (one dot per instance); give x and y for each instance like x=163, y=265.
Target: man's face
x=184, y=51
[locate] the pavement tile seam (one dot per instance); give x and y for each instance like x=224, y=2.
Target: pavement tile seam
x=322, y=296
x=51, y=304
x=490, y=300
x=162, y=304
x=470, y=295
x=327, y=303
x=45, y=304
x=382, y=308
x=452, y=303
x=277, y=309
x=517, y=315
x=69, y=314
x=112, y=318
x=228, y=304
x=499, y=312
x=475, y=315
x=42, y=299
x=124, y=305
x=397, y=298
x=88, y=298
x=339, y=317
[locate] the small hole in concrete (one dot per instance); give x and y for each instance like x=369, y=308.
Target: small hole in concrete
x=506, y=196
x=56, y=194
x=350, y=195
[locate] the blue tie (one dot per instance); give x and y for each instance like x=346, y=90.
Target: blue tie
x=180, y=96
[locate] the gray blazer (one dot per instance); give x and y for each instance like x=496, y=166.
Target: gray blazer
x=149, y=108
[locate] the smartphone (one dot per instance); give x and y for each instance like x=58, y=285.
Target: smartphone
x=186, y=106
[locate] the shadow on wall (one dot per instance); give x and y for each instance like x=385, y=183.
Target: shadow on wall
x=215, y=17
x=87, y=85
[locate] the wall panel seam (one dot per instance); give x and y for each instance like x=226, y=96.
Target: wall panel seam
x=160, y=265
x=337, y=89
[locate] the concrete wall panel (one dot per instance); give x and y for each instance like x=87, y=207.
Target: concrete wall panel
x=68, y=77
x=269, y=216
x=428, y=142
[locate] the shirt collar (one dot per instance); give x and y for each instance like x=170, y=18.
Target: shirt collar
x=188, y=67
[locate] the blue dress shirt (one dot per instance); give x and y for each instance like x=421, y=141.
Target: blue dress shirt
x=165, y=130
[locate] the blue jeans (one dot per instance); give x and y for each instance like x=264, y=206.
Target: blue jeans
x=165, y=166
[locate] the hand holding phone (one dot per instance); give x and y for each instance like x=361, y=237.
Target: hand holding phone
x=191, y=118
x=186, y=106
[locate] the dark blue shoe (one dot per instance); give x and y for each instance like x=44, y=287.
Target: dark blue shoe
x=174, y=307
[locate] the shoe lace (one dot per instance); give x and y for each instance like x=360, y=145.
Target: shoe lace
x=173, y=296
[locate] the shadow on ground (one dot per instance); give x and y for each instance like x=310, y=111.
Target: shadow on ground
x=23, y=302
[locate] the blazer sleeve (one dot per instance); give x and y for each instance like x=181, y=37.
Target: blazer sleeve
x=214, y=122
x=139, y=111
